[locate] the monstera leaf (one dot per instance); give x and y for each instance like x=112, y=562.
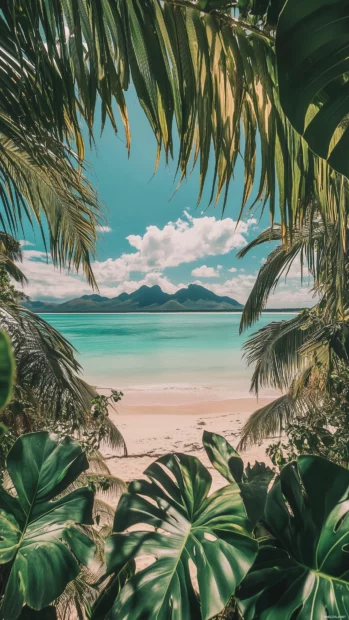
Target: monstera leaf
x=38, y=539
x=187, y=532
x=7, y=368
x=306, y=575
x=312, y=40
x=253, y=481
x=48, y=613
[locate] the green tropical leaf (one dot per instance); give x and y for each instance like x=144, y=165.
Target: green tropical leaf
x=110, y=591
x=204, y=74
x=306, y=575
x=46, y=366
x=312, y=56
x=275, y=351
x=187, y=528
x=253, y=482
x=7, y=369
x=39, y=542
x=49, y=613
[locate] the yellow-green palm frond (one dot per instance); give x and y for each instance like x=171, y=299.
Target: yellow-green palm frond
x=275, y=351
x=54, y=192
x=46, y=367
x=200, y=74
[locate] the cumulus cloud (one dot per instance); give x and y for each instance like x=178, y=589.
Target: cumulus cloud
x=48, y=282
x=206, y=272
x=24, y=243
x=239, y=287
x=104, y=229
x=184, y=241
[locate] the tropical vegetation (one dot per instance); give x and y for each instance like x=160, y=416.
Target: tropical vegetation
x=250, y=80
x=261, y=81
x=48, y=391
x=286, y=559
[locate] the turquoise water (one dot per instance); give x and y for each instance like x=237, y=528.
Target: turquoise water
x=160, y=350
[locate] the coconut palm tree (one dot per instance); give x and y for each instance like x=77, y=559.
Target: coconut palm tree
x=49, y=391
x=292, y=355
x=205, y=71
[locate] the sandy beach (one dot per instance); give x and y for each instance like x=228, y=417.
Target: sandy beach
x=154, y=423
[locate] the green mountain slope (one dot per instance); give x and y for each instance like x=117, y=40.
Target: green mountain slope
x=195, y=298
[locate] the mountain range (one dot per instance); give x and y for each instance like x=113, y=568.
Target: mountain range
x=195, y=298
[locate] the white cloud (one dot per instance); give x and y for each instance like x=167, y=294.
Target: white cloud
x=48, y=282
x=292, y=295
x=238, y=287
x=206, y=272
x=24, y=243
x=104, y=229
x=183, y=241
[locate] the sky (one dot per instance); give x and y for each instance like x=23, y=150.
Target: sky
x=152, y=235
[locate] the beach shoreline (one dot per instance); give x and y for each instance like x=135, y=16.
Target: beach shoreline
x=154, y=423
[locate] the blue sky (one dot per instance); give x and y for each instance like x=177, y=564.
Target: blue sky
x=150, y=239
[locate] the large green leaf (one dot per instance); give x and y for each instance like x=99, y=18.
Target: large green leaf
x=253, y=481
x=205, y=76
x=313, y=63
x=39, y=540
x=187, y=528
x=7, y=368
x=49, y=613
x=306, y=575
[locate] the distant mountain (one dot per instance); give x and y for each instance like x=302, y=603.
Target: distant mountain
x=195, y=298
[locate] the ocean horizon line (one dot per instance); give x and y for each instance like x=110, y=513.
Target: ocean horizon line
x=170, y=313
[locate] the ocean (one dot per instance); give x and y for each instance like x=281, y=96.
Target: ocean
x=161, y=351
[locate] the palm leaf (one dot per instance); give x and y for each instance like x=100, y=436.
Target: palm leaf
x=46, y=367
x=275, y=351
x=270, y=420
x=55, y=191
x=207, y=76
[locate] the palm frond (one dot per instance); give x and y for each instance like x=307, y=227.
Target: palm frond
x=268, y=421
x=114, y=439
x=271, y=420
x=275, y=351
x=57, y=192
x=207, y=76
x=103, y=512
x=98, y=464
x=312, y=244
x=45, y=365
x=108, y=486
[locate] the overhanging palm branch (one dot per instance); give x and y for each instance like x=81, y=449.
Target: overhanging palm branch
x=300, y=401
x=316, y=244
x=53, y=191
x=209, y=74
x=291, y=356
x=269, y=421
x=45, y=364
x=275, y=351
x=48, y=376
x=277, y=265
